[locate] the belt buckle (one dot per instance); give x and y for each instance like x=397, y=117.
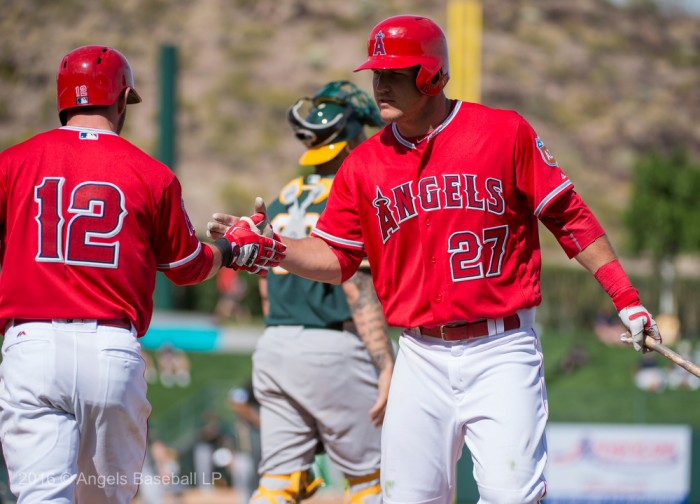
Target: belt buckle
x=454, y=324
x=458, y=324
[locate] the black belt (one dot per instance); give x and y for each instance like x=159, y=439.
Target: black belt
x=334, y=326
x=123, y=323
x=468, y=330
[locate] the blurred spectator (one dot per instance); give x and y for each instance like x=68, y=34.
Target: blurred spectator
x=608, y=329
x=211, y=438
x=669, y=326
x=173, y=366
x=650, y=376
x=151, y=372
x=246, y=455
x=161, y=479
x=679, y=378
x=574, y=359
x=232, y=291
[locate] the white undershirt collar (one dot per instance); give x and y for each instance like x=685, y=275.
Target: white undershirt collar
x=94, y=130
x=437, y=130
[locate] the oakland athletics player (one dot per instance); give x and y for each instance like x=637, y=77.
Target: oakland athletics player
x=86, y=219
x=321, y=369
x=445, y=203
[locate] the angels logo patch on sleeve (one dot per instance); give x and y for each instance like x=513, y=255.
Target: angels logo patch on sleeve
x=547, y=156
x=190, y=227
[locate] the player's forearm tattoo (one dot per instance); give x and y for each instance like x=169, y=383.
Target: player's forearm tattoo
x=369, y=319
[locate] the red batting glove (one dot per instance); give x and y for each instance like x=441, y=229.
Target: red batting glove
x=253, y=252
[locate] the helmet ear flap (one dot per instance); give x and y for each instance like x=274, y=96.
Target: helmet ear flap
x=431, y=84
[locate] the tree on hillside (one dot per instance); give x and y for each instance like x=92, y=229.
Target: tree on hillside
x=663, y=215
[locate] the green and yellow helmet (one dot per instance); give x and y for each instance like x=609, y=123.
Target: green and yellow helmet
x=325, y=122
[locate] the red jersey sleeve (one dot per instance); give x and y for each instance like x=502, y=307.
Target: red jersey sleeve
x=339, y=226
x=179, y=253
x=550, y=194
x=538, y=175
x=573, y=224
x=339, y=223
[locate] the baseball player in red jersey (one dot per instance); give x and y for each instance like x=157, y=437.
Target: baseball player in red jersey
x=86, y=220
x=445, y=202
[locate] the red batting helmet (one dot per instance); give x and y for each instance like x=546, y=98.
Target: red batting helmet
x=93, y=76
x=408, y=41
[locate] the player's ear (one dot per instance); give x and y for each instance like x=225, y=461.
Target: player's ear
x=122, y=100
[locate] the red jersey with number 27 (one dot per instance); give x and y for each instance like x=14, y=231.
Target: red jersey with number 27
x=86, y=219
x=450, y=224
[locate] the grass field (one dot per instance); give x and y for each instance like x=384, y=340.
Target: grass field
x=601, y=389
x=178, y=411
x=210, y=372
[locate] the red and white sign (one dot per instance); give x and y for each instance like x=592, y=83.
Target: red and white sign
x=595, y=463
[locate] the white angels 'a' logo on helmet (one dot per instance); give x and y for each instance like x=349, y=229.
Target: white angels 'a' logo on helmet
x=379, y=49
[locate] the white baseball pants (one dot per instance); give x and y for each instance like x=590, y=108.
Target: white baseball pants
x=73, y=412
x=488, y=392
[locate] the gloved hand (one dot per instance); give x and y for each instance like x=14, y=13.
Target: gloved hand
x=221, y=222
x=216, y=228
x=260, y=219
x=253, y=252
x=640, y=324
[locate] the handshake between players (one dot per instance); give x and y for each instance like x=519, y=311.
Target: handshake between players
x=247, y=243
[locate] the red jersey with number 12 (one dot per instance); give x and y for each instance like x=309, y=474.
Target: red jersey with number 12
x=450, y=224
x=86, y=219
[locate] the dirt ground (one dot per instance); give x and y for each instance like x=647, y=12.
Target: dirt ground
x=228, y=496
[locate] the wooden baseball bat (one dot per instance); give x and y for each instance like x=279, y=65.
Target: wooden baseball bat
x=691, y=367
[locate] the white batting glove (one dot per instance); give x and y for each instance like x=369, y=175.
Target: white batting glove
x=221, y=222
x=639, y=324
x=260, y=220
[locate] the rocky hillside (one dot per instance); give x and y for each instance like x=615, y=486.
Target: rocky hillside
x=600, y=83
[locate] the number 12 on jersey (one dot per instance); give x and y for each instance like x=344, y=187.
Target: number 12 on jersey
x=95, y=214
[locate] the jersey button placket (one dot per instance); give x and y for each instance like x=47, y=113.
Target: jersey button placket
x=433, y=260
